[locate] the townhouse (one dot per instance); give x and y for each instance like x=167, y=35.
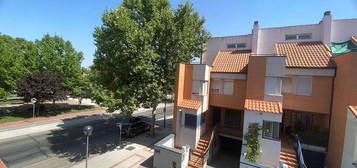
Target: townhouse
x=287, y=80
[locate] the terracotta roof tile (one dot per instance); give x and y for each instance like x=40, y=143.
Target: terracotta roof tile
x=354, y=39
x=190, y=104
x=264, y=106
x=305, y=54
x=235, y=61
x=354, y=110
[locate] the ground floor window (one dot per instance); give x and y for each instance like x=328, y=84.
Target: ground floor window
x=271, y=130
x=190, y=121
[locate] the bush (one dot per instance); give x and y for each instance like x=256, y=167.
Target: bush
x=253, y=143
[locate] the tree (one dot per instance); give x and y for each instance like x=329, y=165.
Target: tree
x=42, y=86
x=83, y=87
x=138, y=46
x=16, y=60
x=54, y=54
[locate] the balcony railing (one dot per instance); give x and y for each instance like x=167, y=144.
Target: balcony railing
x=298, y=150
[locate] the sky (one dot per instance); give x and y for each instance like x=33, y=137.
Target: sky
x=75, y=20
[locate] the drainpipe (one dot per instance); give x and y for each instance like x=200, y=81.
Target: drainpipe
x=331, y=106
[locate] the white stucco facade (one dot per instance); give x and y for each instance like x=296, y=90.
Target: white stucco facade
x=349, y=155
x=270, y=149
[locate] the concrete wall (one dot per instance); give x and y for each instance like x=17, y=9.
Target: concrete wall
x=215, y=44
x=343, y=29
x=269, y=36
x=319, y=101
x=345, y=94
x=184, y=135
x=270, y=155
x=166, y=155
x=349, y=155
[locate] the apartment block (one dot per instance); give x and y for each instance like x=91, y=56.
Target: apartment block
x=294, y=81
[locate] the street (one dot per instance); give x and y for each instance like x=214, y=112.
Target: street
x=61, y=148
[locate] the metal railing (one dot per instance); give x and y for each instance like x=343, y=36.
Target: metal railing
x=205, y=154
x=298, y=151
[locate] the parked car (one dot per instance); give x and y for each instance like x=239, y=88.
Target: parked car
x=134, y=126
x=147, y=105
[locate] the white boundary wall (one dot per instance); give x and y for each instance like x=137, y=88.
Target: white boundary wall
x=166, y=155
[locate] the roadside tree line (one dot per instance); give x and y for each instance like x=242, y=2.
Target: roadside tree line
x=46, y=69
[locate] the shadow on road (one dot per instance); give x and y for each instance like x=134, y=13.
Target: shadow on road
x=70, y=143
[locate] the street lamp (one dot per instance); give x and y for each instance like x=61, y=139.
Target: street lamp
x=33, y=107
x=87, y=130
x=120, y=126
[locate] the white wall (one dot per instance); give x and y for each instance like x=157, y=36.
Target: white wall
x=165, y=154
x=349, y=155
x=343, y=29
x=270, y=155
x=186, y=136
x=215, y=44
x=269, y=36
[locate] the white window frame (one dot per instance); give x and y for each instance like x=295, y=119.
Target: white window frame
x=273, y=83
x=299, y=36
x=295, y=85
x=199, y=87
x=236, y=45
x=287, y=85
x=228, y=91
x=308, y=89
x=269, y=134
x=216, y=86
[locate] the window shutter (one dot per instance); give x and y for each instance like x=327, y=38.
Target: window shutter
x=228, y=87
x=303, y=86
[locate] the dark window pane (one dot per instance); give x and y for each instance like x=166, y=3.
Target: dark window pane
x=190, y=120
x=305, y=36
x=231, y=45
x=290, y=37
x=240, y=45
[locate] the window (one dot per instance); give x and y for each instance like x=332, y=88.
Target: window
x=190, y=121
x=199, y=87
x=297, y=85
x=287, y=85
x=297, y=36
x=236, y=45
x=271, y=130
x=216, y=86
x=228, y=87
x=232, y=118
x=303, y=86
x=273, y=86
x=301, y=121
x=203, y=118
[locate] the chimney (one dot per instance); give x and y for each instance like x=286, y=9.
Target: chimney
x=255, y=32
x=326, y=27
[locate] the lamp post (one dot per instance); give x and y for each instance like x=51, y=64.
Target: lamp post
x=120, y=126
x=87, y=130
x=33, y=107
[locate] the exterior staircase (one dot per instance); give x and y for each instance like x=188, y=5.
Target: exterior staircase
x=289, y=158
x=197, y=155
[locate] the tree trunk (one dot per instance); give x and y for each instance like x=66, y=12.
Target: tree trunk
x=53, y=101
x=79, y=102
x=152, y=129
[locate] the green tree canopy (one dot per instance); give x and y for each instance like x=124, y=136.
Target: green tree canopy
x=17, y=57
x=54, y=54
x=138, y=46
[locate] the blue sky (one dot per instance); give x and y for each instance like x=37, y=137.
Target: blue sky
x=75, y=20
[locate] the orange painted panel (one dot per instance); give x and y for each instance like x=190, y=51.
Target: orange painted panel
x=256, y=77
x=235, y=101
x=319, y=101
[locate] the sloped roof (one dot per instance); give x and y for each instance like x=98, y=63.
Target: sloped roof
x=263, y=106
x=189, y=104
x=313, y=54
x=234, y=61
x=354, y=110
x=354, y=39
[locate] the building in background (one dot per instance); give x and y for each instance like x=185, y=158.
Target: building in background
x=289, y=80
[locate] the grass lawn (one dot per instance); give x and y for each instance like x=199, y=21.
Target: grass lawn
x=24, y=111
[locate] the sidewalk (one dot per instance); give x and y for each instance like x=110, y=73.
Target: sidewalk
x=137, y=153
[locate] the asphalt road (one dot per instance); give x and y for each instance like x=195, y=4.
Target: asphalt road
x=60, y=148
